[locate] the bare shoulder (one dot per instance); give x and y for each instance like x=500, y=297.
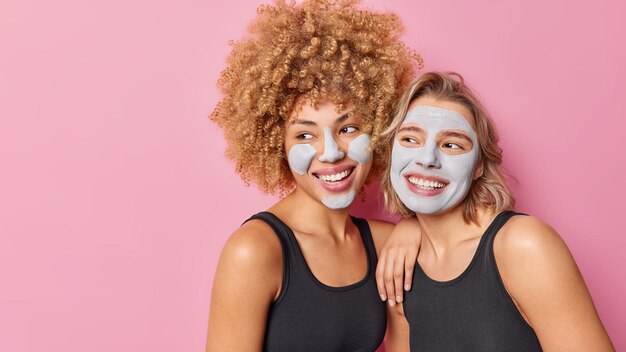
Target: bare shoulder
x=247, y=280
x=526, y=239
x=251, y=261
x=542, y=278
x=525, y=245
x=380, y=231
x=380, y=227
x=254, y=245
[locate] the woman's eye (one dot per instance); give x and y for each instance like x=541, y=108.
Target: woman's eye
x=348, y=129
x=408, y=140
x=303, y=136
x=451, y=146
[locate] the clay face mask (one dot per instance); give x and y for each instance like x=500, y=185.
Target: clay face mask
x=339, y=202
x=300, y=157
x=359, y=151
x=427, y=179
x=331, y=150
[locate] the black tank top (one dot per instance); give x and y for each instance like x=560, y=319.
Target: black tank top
x=311, y=316
x=472, y=312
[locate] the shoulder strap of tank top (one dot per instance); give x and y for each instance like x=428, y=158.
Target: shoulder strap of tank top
x=366, y=235
x=492, y=267
x=279, y=227
x=495, y=226
x=282, y=232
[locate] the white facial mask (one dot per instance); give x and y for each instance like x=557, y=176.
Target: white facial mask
x=425, y=195
x=300, y=157
x=359, y=149
x=339, y=202
x=331, y=150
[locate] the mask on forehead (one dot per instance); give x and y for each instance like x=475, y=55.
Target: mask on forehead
x=427, y=179
x=301, y=155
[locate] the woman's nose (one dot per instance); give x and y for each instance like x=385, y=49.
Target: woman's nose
x=331, y=150
x=427, y=156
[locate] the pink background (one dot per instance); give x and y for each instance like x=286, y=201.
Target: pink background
x=115, y=199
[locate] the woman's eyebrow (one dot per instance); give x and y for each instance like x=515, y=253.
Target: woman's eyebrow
x=346, y=115
x=455, y=134
x=304, y=122
x=410, y=128
x=340, y=119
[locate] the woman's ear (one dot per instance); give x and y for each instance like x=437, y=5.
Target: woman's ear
x=478, y=171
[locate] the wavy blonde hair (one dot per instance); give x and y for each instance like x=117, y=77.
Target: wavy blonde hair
x=319, y=50
x=490, y=189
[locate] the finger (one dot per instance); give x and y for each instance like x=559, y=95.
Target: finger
x=388, y=278
x=398, y=278
x=380, y=282
x=409, y=266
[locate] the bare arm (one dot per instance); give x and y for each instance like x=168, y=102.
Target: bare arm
x=397, y=338
x=394, y=272
x=247, y=280
x=544, y=281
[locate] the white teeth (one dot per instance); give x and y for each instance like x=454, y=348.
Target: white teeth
x=426, y=184
x=334, y=178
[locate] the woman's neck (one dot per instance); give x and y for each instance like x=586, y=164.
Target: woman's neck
x=445, y=230
x=304, y=214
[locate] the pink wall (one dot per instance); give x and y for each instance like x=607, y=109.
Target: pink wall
x=115, y=199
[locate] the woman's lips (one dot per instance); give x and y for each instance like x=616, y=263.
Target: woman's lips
x=427, y=186
x=336, y=179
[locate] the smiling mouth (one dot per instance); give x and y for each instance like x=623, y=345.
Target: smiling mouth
x=426, y=184
x=333, y=178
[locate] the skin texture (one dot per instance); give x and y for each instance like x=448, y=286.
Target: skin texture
x=554, y=300
x=249, y=272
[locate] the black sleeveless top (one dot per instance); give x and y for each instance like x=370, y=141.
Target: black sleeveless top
x=311, y=316
x=472, y=312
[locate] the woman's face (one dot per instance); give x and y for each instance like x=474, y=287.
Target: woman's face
x=434, y=156
x=328, y=153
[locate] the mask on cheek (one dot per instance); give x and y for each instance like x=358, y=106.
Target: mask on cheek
x=300, y=157
x=427, y=179
x=359, y=149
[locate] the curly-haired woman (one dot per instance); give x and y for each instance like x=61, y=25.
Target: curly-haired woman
x=305, y=97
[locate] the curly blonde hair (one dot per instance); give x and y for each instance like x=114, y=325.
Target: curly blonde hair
x=490, y=189
x=319, y=50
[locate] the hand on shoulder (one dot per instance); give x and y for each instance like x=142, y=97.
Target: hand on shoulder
x=380, y=232
x=397, y=257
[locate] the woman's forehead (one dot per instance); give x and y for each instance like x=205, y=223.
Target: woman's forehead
x=458, y=108
x=320, y=111
x=437, y=121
